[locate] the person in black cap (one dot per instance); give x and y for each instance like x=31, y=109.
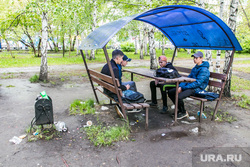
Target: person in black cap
x=124, y=62
x=201, y=73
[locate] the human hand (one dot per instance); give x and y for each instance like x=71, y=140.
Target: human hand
x=156, y=82
x=127, y=86
x=179, y=90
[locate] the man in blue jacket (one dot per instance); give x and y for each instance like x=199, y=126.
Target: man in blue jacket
x=201, y=73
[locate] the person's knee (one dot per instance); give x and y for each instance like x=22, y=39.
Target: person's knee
x=152, y=84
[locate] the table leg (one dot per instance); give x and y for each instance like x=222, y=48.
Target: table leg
x=132, y=76
x=176, y=103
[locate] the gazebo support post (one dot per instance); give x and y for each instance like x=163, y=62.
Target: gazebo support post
x=86, y=66
x=175, y=50
x=113, y=78
x=228, y=68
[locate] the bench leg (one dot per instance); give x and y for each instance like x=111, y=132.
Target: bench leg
x=201, y=110
x=146, y=123
x=215, y=110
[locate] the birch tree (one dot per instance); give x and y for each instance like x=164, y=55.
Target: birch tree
x=217, y=69
x=152, y=52
x=136, y=45
x=92, y=54
x=141, y=42
x=145, y=37
x=44, y=67
x=163, y=45
x=232, y=24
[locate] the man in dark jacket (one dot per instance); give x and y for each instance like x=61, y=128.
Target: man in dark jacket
x=153, y=84
x=201, y=73
x=117, y=56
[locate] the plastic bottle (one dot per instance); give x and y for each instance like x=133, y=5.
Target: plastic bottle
x=202, y=115
x=44, y=95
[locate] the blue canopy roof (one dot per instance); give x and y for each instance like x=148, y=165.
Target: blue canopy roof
x=185, y=26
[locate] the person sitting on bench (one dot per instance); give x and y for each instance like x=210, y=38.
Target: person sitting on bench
x=125, y=61
x=117, y=56
x=153, y=84
x=201, y=73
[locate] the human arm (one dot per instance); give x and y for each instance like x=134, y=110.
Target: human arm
x=202, y=78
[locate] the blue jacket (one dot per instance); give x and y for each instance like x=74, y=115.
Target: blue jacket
x=120, y=72
x=201, y=74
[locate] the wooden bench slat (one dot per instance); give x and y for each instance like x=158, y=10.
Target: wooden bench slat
x=144, y=104
x=128, y=106
x=104, y=77
x=215, y=83
x=137, y=106
x=104, y=84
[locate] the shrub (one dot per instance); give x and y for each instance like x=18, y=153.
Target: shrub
x=127, y=47
x=34, y=78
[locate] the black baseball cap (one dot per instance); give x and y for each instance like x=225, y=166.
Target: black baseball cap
x=125, y=58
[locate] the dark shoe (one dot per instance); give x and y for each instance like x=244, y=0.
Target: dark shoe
x=164, y=110
x=182, y=115
x=153, y=104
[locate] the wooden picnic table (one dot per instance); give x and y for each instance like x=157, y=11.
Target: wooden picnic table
x=151, y=74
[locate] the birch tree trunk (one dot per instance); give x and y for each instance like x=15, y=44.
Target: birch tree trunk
x=141, y=44
x=8, y=48
x=152, y=52
x=217, y=65
x=44, y=43
x=163, y=45
x=208, y=53
x=92, y=54
x=232, y=24
x=136, y=46
x=145, y=36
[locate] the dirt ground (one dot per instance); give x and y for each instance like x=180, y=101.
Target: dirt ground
x=162, y=145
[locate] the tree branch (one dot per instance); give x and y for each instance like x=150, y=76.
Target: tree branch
x=245, y=14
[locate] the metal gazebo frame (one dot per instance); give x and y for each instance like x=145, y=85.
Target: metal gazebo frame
x=185, y=26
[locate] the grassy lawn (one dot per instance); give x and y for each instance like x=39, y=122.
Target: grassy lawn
x=26, y=58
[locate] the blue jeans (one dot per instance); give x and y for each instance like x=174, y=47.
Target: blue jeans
x=132, y=85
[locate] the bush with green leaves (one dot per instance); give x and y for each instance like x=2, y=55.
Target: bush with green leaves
x=127, y=47
x=82, y=107
x=34, y=78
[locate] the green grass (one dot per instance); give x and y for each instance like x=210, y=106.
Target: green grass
x=27, y=59
x=38, y=132
x=102, y=136
x=82, y=107
x=242, y=101
x=239, y=84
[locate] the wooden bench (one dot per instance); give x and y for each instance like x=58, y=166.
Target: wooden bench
x=216, y=80
x=106, y=81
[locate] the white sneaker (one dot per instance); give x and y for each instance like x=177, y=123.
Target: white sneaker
x=134, y=110
x=119, y=112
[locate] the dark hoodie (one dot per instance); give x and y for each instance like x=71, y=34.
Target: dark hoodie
x=201, y=74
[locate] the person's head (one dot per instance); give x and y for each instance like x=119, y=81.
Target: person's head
x=162, y=61
x=117, y=56
x=198, y=57
x=125, y=60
